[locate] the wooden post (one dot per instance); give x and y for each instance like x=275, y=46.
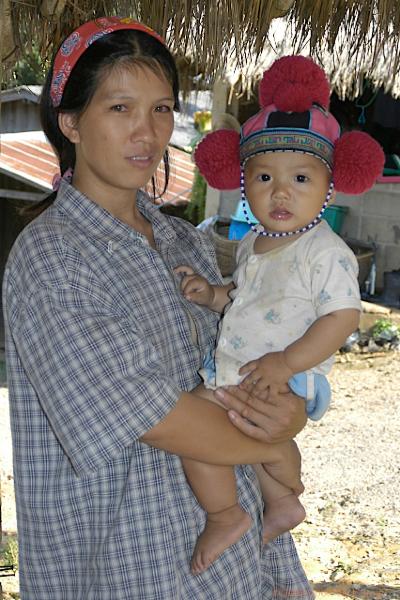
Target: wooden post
x=220, y=95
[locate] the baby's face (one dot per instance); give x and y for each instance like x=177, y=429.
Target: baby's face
x=286, y=190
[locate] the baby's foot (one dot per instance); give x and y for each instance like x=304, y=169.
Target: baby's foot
x=282, y=515
x=222, y=529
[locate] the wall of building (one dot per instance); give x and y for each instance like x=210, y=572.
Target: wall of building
x=20, y=115
x=375, y=217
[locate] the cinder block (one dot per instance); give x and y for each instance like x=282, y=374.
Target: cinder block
x=377, y=229
x=351, y=227
x=382, y=203
x=355, y=203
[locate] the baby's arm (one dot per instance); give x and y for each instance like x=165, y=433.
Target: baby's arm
x=325, y=336
x=197, y=289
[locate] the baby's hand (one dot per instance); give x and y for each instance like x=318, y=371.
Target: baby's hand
x=195, y=288
x=270, y=369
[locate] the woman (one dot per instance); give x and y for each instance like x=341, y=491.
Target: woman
x=102, y=353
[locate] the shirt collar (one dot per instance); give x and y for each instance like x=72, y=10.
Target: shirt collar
x=89, y=215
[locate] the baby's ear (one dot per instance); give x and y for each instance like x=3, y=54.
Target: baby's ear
x=67, y=122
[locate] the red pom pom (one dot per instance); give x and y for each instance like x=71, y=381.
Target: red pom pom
x=294, y=84
x=357, y=162
x=218, y=160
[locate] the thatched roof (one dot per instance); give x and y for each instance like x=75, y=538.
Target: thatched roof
x=353, y=36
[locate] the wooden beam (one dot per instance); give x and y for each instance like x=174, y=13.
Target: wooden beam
x=20, y=195
x=220, y=97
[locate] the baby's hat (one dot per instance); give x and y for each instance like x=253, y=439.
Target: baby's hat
x=294, y=97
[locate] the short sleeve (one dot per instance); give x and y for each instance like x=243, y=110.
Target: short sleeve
x=334, y=282
x=100, y=382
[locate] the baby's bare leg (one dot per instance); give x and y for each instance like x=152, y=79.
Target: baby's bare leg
x=283, y=510
x=215, y=489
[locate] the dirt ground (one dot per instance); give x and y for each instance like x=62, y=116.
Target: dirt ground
x=350, y=541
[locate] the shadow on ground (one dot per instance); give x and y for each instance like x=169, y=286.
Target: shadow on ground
x=358, y=591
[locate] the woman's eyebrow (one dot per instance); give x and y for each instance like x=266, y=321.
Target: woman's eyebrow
x=123, y=95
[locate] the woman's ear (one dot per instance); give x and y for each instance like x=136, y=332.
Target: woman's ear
x=68, y=122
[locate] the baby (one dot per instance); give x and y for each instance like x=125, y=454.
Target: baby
x=294, y=296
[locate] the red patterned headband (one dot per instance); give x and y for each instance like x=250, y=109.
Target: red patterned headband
x=78, y=42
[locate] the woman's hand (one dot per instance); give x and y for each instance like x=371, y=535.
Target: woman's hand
x=275, y=417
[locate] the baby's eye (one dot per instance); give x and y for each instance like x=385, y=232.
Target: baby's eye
x=301, y=178
x=264, y=177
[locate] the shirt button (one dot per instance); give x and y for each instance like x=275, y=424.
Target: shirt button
x=253, y=259
x=239, y=301
x=222, y=341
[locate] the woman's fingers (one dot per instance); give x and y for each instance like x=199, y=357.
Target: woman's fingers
x=248, y=428
x=279, y=415
x=248, y=413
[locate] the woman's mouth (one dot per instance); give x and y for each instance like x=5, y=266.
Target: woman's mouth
x=280, y=214
x=141, y=161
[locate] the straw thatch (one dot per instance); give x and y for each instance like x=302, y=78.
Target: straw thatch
x=356, y=36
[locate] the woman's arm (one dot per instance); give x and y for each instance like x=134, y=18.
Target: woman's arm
x=201, y=430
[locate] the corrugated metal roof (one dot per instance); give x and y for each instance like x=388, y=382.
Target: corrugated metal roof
x=21, y=92
x=28, y=157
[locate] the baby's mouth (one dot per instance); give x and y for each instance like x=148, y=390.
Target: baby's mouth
x=280, y=214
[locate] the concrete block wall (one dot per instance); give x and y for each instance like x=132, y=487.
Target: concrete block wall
x=375, y=217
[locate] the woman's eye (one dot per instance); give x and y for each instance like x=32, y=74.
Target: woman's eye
x=164, y=108
x=118, y=108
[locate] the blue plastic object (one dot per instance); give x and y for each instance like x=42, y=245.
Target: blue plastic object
x=334, y=215
x=239, y=225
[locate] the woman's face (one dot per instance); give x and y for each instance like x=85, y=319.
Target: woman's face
x=121, y=137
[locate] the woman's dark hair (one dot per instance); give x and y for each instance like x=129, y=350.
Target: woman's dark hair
x=119, y=48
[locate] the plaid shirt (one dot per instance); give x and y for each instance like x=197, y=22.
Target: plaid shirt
x=99, y=348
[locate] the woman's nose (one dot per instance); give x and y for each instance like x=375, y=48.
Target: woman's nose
x=142, y=128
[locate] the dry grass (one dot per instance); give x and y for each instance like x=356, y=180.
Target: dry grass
x=205, y=35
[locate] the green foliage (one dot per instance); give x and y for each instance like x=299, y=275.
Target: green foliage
x=29, y=70
x=9, y=553
x=385, y=329
x=196, y=208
